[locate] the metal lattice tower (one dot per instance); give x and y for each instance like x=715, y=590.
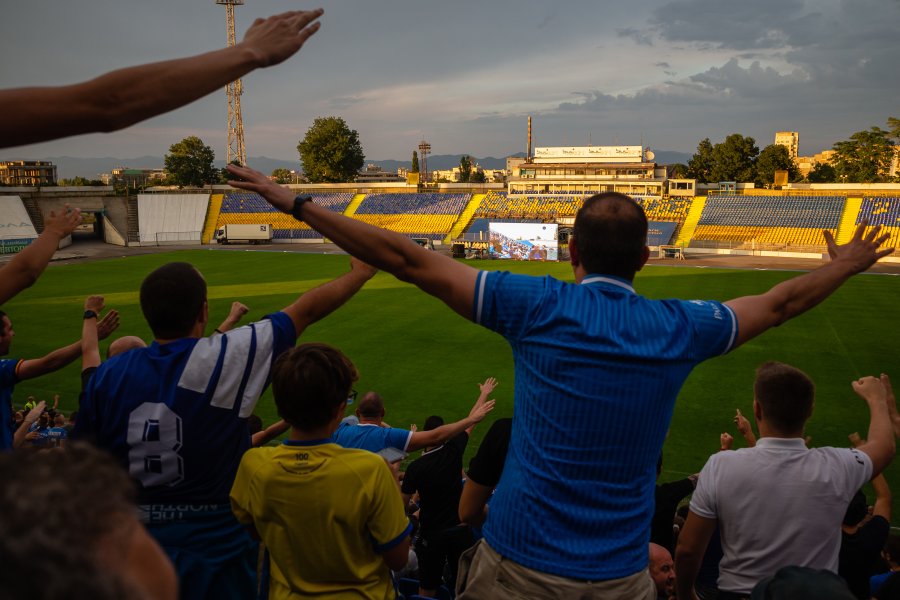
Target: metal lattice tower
x=424, y=151
x=233, y=90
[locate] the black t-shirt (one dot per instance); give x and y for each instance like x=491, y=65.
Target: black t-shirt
x=486, y=466
x=667, y=497
x=860, y=552
x=437, y=476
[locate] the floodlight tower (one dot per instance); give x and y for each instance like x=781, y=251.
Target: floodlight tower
x=424, y=151
x=234, y=90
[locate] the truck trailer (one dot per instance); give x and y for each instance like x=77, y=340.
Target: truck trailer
x=244, y=234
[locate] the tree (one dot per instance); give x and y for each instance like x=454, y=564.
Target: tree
x=78, y=180
x=893, y=124
x=822, y=173
x=331, y=151
x=701, y=163
x=733, y=159
x=865, y=157
x=465, y=168
x=190, y=163
x=415, y=163
x=282, y=175
x=775, y=157
x=679, y=171
x=477, y=176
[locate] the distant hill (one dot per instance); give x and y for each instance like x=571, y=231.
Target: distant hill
x=69, y=166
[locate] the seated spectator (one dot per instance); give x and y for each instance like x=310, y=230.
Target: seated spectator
x=792, y=498
x=370, y=432
x=662, y=572
x=331, y=518
x=863, y=535
x=69, y=530
x=437, y=477
x=891, y=556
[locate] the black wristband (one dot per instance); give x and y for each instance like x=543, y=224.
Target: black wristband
x=299, y=201
x=89, y=314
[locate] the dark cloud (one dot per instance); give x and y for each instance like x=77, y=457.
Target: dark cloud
x=663, y=65
x=638, y=36
x=344, y=101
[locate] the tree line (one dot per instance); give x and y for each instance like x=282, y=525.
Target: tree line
x=863, y=158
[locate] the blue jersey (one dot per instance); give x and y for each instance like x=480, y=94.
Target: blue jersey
x=175, y=414
x=597, y=371
x=371, y=437
x=56, y=435
x=8, y=381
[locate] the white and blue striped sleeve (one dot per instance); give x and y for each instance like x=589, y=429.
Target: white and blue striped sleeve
x=714, y=328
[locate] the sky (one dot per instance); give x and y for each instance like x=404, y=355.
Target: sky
x=465, y=75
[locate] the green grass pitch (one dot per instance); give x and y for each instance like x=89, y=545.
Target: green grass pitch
x=424, y=359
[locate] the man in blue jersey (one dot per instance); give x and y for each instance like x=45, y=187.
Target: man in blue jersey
x=12, y=371
x=174, y=414
x=370, y=433
x=597, y=369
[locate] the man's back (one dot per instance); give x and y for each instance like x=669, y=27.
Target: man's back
x=437, y=476
x=808, y=490
x=597, y=372
x=174, y=414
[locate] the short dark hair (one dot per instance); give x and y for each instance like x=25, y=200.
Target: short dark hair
x=433, y=422
x=2, y=324
x=60, y=509
x=611, y=234
x=786, y=395
x=172, y=297
x=371, y=405
x=309, y=382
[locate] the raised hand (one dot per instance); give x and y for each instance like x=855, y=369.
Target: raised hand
x=108, y=324
x=743, y=425
x=94, y=303
x=481, y=410
x=64, y=222
x=726, y=440
x=487, y=387
x=870, y=389
x=862, y=251
x=252, y=180
x=279, y=37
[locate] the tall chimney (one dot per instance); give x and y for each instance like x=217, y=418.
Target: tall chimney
x=528, y=153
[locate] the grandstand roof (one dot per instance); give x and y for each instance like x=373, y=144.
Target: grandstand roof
x=526, y=165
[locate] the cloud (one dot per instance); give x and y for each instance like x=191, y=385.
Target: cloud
x=345, y=101
x=638, y=36
x=663, y=65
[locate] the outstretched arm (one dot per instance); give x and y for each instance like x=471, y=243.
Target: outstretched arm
x=485, y=390
x=439, y=435
x=321, y=301
x=880, y=443
x=122, y=98
x=59, y=358
x=756, y=314
x=90, y=342
x=451, y=281
x=26, y=266
x=30, y=419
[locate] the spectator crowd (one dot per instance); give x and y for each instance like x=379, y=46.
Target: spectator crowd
x=165, y=485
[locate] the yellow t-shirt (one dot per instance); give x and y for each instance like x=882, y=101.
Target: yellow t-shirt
x=324, y=512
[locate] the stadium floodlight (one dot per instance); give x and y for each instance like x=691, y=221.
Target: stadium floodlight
x=424, y=151
x=234, y=90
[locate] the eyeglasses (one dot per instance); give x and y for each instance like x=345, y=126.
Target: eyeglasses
x=351, y=397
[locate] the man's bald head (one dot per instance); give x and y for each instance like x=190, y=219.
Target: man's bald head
x=662, y=570
x=124, y=344
x=371, y=406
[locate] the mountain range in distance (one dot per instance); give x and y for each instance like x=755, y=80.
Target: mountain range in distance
x=68, y=167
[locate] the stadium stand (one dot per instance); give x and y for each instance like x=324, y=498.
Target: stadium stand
x=171, y=218
x=769, y=220
x=248, y=208
x=16, y=228
x=884, y=211
x=428, y=215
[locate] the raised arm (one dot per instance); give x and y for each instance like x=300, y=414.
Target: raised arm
x=321, y=301
x=892, y=404
x=59, y=358
x=485, y=390
x=743, y=426
x=90, y=342
x=880, y=442
x=30, y=419
x=237, y=312
x=756, y=314
x=439, y=435
x=261, y=438
x=26, y=266
x=127, y=96
x=451, y=281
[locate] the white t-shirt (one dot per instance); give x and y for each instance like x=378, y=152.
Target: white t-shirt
x=778, y=504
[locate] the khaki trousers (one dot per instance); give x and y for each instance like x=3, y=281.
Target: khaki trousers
x=485, y=575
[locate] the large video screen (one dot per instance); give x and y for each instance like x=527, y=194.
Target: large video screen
x=523, y=241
